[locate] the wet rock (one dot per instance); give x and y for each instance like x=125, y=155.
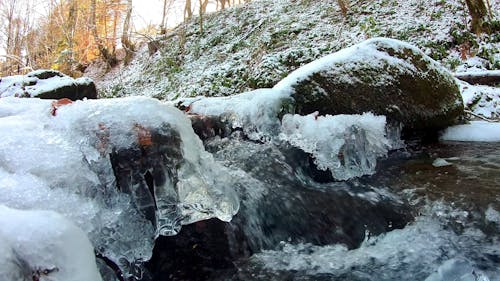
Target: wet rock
x=200, y=251
x=48, y=84
x=207, y=127
x=384, y=76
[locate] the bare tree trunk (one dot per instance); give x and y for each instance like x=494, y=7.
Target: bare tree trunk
x=478, y=13
x=108, y=57
x=188, y=13
x=127, y=44
x=201, y=16
x=69, y=61
x=163, y=17
x=203, y=5
x=344, y=7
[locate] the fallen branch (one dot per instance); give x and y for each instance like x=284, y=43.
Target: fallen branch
x=481, y=117
x=488, y=77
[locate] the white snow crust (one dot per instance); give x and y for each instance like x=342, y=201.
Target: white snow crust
x=348, y=58
x=474, y=131
x=46, y=245
x=255, y=112
x=481, y=100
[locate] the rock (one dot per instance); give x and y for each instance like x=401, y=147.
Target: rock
x=48, y=84
x=384, y=76
x=199, y=252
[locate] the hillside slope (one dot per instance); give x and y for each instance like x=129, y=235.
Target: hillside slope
x=256, y=45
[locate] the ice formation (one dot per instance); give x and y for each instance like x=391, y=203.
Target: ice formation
x=62, y=163
x=254, y=112
x=44, y=245
x=347, y=145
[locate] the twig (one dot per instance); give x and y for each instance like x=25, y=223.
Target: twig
x=481, y=117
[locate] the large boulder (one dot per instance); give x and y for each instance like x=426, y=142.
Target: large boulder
x=48, y=84
x=384, y=76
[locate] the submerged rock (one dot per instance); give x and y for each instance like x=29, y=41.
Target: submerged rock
x=383, y=76
x=48, y=84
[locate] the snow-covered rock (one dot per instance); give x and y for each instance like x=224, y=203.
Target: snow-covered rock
x=380, y=75
x=66, y=161
x=47, y=84
x=44, y=245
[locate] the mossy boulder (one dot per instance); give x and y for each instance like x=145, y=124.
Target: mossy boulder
x=48, y=84
x=383, y=76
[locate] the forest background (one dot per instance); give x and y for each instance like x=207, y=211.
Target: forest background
x=67, y=35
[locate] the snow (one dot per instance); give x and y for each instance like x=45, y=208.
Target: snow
x=62, y=163
x=481, y=100
x=347, y=145
x=474, y=131
x=366, y=51
x=44, y=244
x=255, y=46
x=31, y=86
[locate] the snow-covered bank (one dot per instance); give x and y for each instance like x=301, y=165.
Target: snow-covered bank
x=256, y=45
x=474, y=131
x=43, y=245
x=59, y=160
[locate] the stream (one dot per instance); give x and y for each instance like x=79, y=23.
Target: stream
x=430, y=212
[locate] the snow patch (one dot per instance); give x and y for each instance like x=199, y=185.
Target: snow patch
x=348, y=58
x=44, y=245
x=31, y=86
x=474, y=131
x=255, y=112
x=481, y=100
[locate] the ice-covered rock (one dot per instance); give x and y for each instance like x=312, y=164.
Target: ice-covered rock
x=384, y=76
x=47, y=84
x=347, y=145
x=255, y=112
x=73, y=159
x=44, y=245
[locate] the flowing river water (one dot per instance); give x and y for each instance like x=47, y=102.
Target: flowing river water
x=430, y=212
